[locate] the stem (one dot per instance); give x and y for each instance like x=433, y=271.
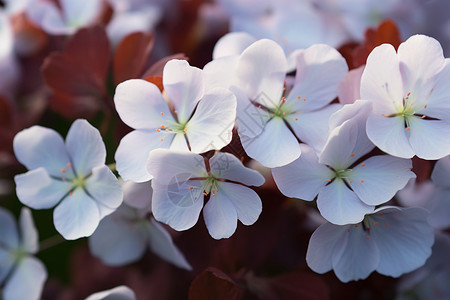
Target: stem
x=50, y=242
x=112, y=166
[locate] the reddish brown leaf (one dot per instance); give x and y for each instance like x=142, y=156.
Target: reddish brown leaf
x=131, y=56
x=213, y=284
x=80, y=71
x=387, y=32
x=156, y=80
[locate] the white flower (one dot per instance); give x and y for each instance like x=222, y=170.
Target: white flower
x=71, y=176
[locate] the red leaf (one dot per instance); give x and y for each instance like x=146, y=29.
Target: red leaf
x=157, y=68
x=156, y=80
x=213, y=284
x=131, y=56
x=80, y=71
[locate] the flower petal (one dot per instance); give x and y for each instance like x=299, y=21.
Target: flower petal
x=404, y=239
x=81, y=12
x=118, y=293
x=184, y=86
x=140, y=104
x=440, y=209
x=233, y=43
x=320, y=69
x=27, y=281
x=167, y=165
x=359, y=256
x=119, y=238
x=138, y=195
x=438, y=104
x=261, y=71
x=220, y=216
x=42, y=147
x=339, y=205
x=227, y=166
x=420, y=58
x=426, y=138
x=441, y=172
x=76, y=216
x=390, y=135
x=37, y=190
x=133, y=152
x=321, y=246
x=275, y=146
x=311, y=127
x=7, y=261
x=210, y=128
x=104, y=188
x=175, y=205
x=85, y=146
x=162, y=245
x=220, y=72
x=348, y=89
x=381, y=81
x=378, y=178
x=9, y=236
x=28, y=232
x=304, y=177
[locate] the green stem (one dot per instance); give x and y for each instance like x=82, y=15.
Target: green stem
x=112, y=166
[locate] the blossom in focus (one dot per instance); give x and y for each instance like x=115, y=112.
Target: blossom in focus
x=409, y=94
x=275, y=111
x=70, y=175
x=65, y=19
x=347, y=188
x=183, y=181
x=121, y=292
x=123, y=237
x=391, y=241
x=22, y=276
x=185, y=117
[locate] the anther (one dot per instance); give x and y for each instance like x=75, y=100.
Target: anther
x=283, y=99
x=63, y=179
x=284, y=113
x=363, y=164
x=408, y=94
x=296, y=119
x=352, y=154
x=63, y=170
x=158, y=130
x=380, y=214
x=356, y=225
x=362, y=180
x=367, y=237
x=348, y=230
x=351, y=181
x=409, y=128
x=328, y=180
x=162, y=126
x=74, y=181
x=259, y=106
x=304, y=99
x=377, y=223
x=205, y=194
x=69, y=165
x=162, y=114
x=386, y=224
x=162, y=140
x=175, y=111
x=185, y=129
x=213, y=192
x=298, y=97
x=167, y=129
x=423, y=117
x=195, y=198
x=191, y=188
x=425, y=106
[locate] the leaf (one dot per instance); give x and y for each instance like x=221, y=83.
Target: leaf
x=213, y=284
x=131, y=56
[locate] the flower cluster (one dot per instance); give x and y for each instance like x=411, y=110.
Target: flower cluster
x=352, y=142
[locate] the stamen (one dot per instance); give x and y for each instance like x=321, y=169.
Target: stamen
x=205, y=194
x=363, y=164
x=298, y=97
x=284, y=113
x=195, y=198
x=351, y=181
x=348, y=230
x=63, y=179
x=409, y=128
x=386, y=224
x=162, y=140
x=423, y=117
x=185, y=129
x=63, y=171
x=356, y=225
x=191, y=188
x=304, y=99
x=367, y=237
x=362, y=180
x=69, y=165
x=377, y=223
x=162, y=114
x=175, y=111
x=352, y=154
x=158, y=130
x=213, y=193
x=74, y=181
x=380, y=214
x=328, y=180
x=259, y=106
x=283, y=99
x=296, y=119
x=167, y=129
x=425, y=106
x=162, y=126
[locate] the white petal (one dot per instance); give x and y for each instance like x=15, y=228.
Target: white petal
x=42, y=147
x=220, y=216
x=175, y=204
x=348, y=90
x=320, y=68
x=227, y=166
x=220, y=72
x=390, y=135
x=321, y=246
x=420, y=58
x=9, y=236
x=233, y=43
x=261, y=71
x=27, y=281
x=46, y=15
x=119, y=238
x=358, y=258
x=37, y=190
x=246, y=201
x=162, y=245
x=28, y=231
x=140, y=104
x=104, y=188
x=438, y=103
x=381, y=81
x=210, y=128
x=405, y=243
x=85, y=146
x=441, y=172
x=359, y=108
x=304, y=177
x=118, y=293
x=311, y=127
x=184, y=86
x=76, y=216
x=138, y=195
x=275, y=146
x=440, y=209
x=416, y=194
x=7, y=261
x=380, y=178
x=133, y=151
x=81, y=12
x=339, y=205
x=426, y=138
x=166, y=165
